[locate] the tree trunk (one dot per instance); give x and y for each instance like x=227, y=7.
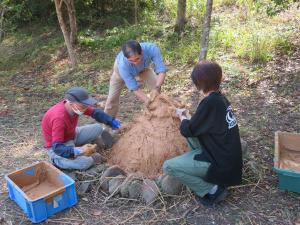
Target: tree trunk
x=71, y=52
x=2, y=12
x=72, y=20
x=135, y=12
x=206, y=30
x=181, y=20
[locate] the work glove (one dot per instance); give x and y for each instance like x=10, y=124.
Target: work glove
x=115, y=124
x=77, y=152
x=88, y=149
x=183, y=114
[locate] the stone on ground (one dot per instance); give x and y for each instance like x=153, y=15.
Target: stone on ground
x=105, y=141
x=83, y=187
x=170, y=185
x=98, y=159
x=131, y=187
x=135, y=189
x=124, y=187
x=112, y=171
x=150, y=191
x=244, y=148
x=115, y=183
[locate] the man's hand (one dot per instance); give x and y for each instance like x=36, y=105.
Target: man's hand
x=115, y=124
x=88, y=149
x=160, y=80
x=153, y=94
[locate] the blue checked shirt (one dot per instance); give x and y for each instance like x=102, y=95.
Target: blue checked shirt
x=129, y=71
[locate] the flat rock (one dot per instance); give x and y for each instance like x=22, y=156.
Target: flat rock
x=98, y=159
x=92, y=173
x=110, y=172
x=132, y=186
x=244, y=148
x=115, y=183
x=108, y=139
x=150, y=191
x=170, y=185
x=83, y=187
x=158, y=180
x=254, y=167
x=124, y=187
x=135, y=189
x=102, y=167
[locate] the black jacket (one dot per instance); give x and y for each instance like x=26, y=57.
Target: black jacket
x=216, y=128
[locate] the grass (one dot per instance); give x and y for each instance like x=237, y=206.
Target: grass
x=242, y=52
x=255, y=40
x=30, y=48
x=258, y=39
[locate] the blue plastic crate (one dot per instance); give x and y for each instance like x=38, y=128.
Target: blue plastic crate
x=287, y=160
x=41, y=190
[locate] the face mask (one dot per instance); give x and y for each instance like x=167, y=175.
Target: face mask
x=77, y=111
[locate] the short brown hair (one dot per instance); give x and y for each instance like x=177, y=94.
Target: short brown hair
x=207, y=76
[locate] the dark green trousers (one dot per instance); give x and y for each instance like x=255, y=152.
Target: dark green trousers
x=188, y=171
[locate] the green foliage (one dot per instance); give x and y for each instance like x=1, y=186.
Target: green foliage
x=94, y=14
x=226, y=3
x=254, y=41
x=269, y=7
x=193, y=8
x=114, y=37
x=32, y=48
x=277, y=6
x=25, y=11
x=239, y=36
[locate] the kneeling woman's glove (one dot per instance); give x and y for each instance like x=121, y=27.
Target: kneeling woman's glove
x=183, y=114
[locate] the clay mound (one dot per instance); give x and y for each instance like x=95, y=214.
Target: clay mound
x=150, y=140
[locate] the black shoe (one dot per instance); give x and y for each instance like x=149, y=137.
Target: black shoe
x=211, y=199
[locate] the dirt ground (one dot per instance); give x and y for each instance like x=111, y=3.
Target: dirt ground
x=262, y=107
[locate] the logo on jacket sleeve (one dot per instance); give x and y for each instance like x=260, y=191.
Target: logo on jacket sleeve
x=230, y=118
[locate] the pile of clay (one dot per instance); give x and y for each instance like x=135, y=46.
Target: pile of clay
x=150, y=139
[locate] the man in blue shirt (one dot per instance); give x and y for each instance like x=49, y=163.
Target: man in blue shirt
x=132, y=64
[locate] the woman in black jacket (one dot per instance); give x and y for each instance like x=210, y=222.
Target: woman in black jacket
x=214, y=161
